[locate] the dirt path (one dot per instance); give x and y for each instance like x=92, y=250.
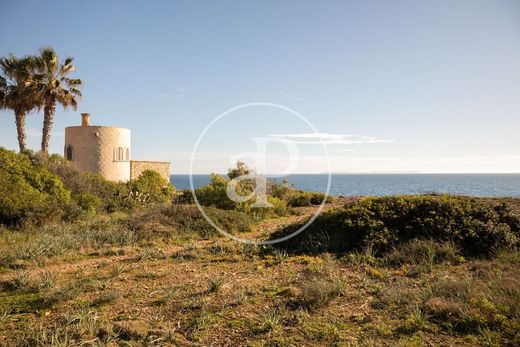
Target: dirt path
x=261, y=232
x=267, y=227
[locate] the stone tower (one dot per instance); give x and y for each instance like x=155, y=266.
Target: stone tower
x=99, y=149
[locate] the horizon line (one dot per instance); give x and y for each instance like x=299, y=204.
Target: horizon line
x=371, y=173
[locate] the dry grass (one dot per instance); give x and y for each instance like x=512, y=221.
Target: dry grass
x=200, y=292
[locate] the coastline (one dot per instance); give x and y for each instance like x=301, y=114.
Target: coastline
x=372, y=184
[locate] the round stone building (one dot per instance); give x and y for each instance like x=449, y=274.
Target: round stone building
x=99, y=149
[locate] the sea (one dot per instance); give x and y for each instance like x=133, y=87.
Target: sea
x=480, y=185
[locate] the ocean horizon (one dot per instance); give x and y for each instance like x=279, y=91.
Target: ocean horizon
x=375, y=184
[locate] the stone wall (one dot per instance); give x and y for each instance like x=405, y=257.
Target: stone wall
x=138, y=166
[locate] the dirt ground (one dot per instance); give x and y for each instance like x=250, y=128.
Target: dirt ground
x=223, y=293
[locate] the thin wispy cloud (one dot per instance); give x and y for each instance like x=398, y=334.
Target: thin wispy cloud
x=337, y=139
x=178, y=94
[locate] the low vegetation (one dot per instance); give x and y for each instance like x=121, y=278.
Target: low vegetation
x=36, y=189
x=478, y=227
x=84, y=261
x=298, y=198
x=29, y=192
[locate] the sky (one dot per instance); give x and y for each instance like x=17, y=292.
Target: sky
x=365, y=86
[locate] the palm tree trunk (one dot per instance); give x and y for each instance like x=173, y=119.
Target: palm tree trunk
x=20, y=128
x=49, y=110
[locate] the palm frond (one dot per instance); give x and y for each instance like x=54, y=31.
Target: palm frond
x=76, y=92
x=74, y=103
x=68, y=60
x=72, y=82
x=18, y=92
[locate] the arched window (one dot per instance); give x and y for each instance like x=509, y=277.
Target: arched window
x=121, y=154
x=68, y=152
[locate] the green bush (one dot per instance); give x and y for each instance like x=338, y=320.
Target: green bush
x=475, y=226
x=317, y=198
x=183, y=197
x=113, y=196
x=150, y=183
x=215, y=195
x=295, y=197
x=88, y=202
x=298, y=198
x=149, y=187
x=279, y=206
x=28, y=191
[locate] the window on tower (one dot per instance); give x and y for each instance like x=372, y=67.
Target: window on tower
x=121, y=154
x=68, y=153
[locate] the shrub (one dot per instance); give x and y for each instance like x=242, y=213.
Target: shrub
x=184, y=197
x=88, y=202
x=298, y=198
x=152, y=184
x=113, y=196
x=278, y=208
x=215, y=195
x=231, y=221
x=28, y=191
x=476, y=226
x=149, y=187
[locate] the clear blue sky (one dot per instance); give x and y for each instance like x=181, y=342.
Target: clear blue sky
x=428, y=86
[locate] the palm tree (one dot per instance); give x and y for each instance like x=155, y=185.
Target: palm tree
x=16, y=92
x=54, y=87
x=3, y=89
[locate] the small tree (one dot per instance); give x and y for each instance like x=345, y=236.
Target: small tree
x=240, y=170
x=245, y=186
